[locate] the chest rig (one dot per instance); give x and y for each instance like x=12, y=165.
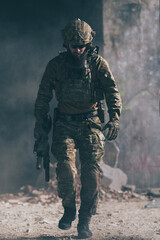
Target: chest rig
x=78, y=84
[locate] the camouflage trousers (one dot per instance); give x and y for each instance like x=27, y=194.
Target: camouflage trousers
x=88, y=138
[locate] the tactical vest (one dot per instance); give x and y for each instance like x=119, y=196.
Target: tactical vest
x=78, y=84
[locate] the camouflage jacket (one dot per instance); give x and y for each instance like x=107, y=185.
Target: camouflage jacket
x=78, y=92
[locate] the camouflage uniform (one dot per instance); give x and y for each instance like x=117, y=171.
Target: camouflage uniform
x=78, y=126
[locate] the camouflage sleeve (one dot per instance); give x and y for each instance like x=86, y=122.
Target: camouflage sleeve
x=45, y=92
x=112, y=95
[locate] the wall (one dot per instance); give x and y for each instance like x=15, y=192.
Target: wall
x=132, y=48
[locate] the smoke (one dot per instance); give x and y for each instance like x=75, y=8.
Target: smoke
x=30, y=36
x=22, y=67
x=131, y=35
x=24, y=55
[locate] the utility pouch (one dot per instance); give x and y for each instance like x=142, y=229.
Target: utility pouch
x=101, y=111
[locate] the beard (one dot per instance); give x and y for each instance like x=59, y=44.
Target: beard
x=77, y=60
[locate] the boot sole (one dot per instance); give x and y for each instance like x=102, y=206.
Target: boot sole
x=84, y=236
x=64, y=227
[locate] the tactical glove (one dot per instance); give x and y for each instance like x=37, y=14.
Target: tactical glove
x=113, y=128
x=41, y=131
x=41, y=138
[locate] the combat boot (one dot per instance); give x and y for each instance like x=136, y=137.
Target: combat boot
x=69, y=216
x=83, y=229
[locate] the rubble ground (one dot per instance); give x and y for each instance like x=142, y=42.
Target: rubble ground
x=22, y=218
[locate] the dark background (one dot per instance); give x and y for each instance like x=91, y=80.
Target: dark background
x=30, y=35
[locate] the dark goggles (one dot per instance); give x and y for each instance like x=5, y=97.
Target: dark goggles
x=78, y=46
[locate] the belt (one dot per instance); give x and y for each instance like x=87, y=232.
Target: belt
x=78, y=117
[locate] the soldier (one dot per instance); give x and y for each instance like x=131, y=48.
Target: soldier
x=81, y=79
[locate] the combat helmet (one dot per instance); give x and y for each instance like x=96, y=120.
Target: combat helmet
x=77, y=32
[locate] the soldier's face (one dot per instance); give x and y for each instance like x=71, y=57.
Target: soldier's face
x=76, y=50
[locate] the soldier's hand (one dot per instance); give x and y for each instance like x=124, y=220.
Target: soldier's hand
x=41, y=138
x=113, y=128
x=39, y=130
